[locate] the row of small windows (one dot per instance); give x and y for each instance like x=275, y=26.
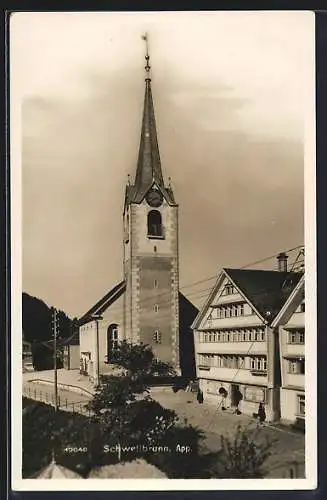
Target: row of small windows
x=296, y=337
x=233, y=361
x=227, y=311
x=229, y=290
x=242, y=335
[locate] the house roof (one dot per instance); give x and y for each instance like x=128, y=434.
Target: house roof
x=298, y=290
x=103, y=303
x=266, y=290
x=56, y=471
x=138, y=468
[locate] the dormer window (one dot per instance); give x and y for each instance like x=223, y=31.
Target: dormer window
x=155, y=229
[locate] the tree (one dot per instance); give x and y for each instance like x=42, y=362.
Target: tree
x=122, y=405
x=243, y=457
x=139, y=362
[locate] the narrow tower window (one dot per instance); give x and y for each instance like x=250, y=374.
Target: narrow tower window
x=112, y=340
x=156, y=308
x=154, y=223
x=157, y=337
x=155, y=284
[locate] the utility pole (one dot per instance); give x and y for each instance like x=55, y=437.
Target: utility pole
x=55, y=333
x=97, y=318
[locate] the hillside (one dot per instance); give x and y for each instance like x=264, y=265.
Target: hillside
x=37, y=318
x=37, y=328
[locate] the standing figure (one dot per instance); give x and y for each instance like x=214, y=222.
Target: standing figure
x=261, y=413
x=199, y=396
x=237, y=399
x=223, y=394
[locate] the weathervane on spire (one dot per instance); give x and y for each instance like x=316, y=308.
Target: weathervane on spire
x=147, y=57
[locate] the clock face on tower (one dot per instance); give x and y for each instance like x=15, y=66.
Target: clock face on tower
x=154, y=198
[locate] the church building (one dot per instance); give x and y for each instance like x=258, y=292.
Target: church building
x=146, y=306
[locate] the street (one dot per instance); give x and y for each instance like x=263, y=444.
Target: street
x=288, y=449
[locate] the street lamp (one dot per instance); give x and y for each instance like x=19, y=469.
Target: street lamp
x=97, y=318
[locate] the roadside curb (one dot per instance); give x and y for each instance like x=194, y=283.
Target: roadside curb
x=69, y=387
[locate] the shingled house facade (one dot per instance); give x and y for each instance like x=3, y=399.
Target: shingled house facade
x=290, y=323
x=146, y=306
x=236, y=346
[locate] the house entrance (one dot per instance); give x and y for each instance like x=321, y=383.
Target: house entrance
x=85, y=363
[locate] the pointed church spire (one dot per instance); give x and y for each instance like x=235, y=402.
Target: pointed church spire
x=148, y=165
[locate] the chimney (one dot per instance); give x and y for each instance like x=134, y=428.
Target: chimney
x=282, y=262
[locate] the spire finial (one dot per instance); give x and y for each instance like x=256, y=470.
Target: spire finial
x=147, y=57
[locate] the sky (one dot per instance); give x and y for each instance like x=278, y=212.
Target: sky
x=231, y=91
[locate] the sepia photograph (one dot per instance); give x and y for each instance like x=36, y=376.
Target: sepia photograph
x=163, y=293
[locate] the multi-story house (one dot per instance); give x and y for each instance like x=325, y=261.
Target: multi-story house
x=291, y=331
x=236, y=347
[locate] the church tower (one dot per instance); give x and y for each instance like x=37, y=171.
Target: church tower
x=150, y=217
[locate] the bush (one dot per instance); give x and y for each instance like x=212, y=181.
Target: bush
x=44, y=432
x=183, y=460
x=242, y=457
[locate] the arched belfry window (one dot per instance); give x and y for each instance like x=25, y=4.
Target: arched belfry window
x=112, y=340
x=155, y=224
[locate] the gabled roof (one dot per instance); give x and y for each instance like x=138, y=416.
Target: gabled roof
x=134, y=194
x=56, y=471
x=297, y=291
x=266, y=291
x=138, y=468
x=103, y=303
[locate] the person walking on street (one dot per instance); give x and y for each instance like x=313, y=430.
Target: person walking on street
x=261, y=413
x=222, y=393
x=199, y=396
x=237, y=399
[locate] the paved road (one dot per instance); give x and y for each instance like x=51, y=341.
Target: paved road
x=288, y=449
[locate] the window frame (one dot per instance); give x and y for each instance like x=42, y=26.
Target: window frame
x=155, y=229
x=156, y=337
x=300, y=401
